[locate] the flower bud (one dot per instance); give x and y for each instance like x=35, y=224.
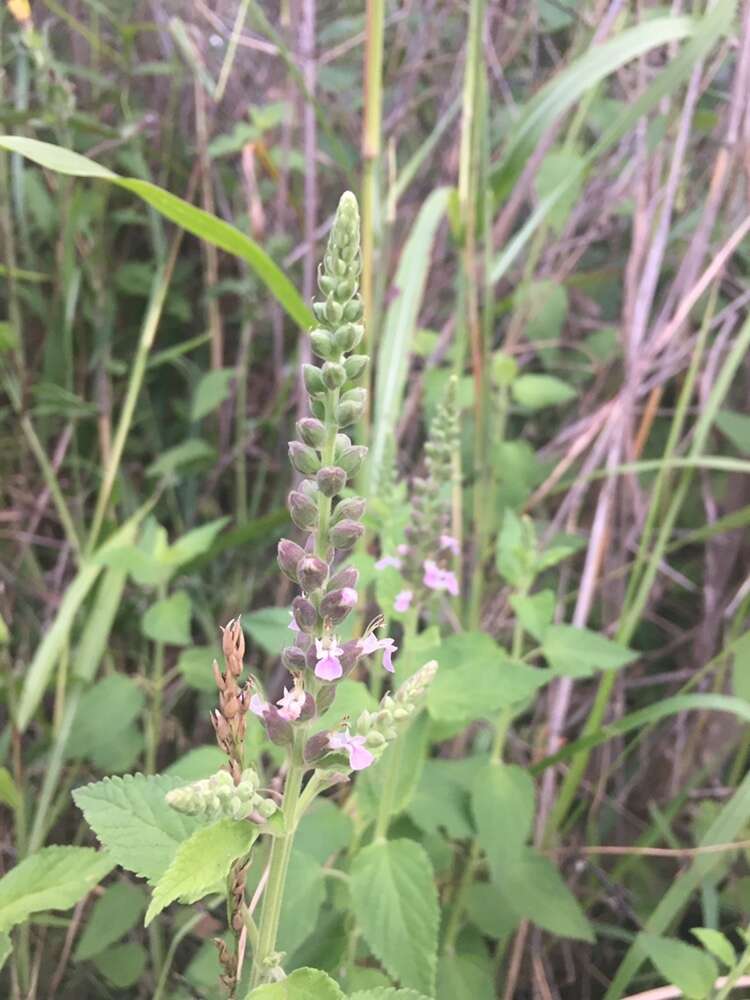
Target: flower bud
x=346, y=577
x=288, y=554
x=303, y=458
x=374, y=739
x=323, y=344
x=337, y=604
x=279, y=730
x=326, y=284
x=355, y=366
x=312, y=431
x=334, y=311
x=348, y=336
x=351, y=459
x=349, y=412
x=313, y=380
x=266, y=808
x=303, y=511
x=345, y=289
x=293, y=658
x=334, y=374
x=346, y=533
x=318, y=408
x=317, y=746
x=331, y=480
x=305, y=614
x=325, y=698
x=312, y=573
x=353, y=508
x=353, y=311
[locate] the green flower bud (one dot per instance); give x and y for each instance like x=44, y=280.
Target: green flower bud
x=349, y=412
x=355, y=366
x=331, y=480
x=267, y=807
x=311, y=431
x=345, y=534
x=319, y=308
x=348, y=336
x=303, y=511
x=352, y=458
x=323, y=344
x=326, y=284
x=334, y=374
x=313, y=380
x=353, y=311
x=374, y=739
x=345, y=289
x=352, y=508
x=334, y=311
x=303, y=458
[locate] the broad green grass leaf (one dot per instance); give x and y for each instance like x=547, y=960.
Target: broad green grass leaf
x=105, y=711
x=122, y=965
x=736, y=426
x=502, y=801
x=303, y=984
x=113, y=914
x=465, y=977
x=535, y=392
x=717, y=943
x=269, y=628
x=395, y=903
x=194, y=220
x=533, y=889
x=556, y=166
x=682, y=965
x=201, y=864
x=99, y=622
x=54, y=878
x=303, y=897
x=132, y=820
x=579, y=652
x=211, y=391
x=168, y=620
x=401, y=322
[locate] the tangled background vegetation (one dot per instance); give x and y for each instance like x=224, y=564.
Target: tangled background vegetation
x=554, y=248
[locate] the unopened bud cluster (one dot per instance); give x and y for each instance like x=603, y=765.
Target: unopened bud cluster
x=218, y=797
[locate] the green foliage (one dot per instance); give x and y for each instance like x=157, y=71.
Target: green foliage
x=168, y=620
x=716, y=942
x=395, y=903
x=114, y=913
x=302, y=984
x=579, y=652
x=54, y=878
x=687, y=967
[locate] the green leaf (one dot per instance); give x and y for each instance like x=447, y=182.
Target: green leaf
x=104, y=712
x=741, y=666
x=410, y=751
x=194, y=543
x=490, y=912
x=441, y=800
x=211, y=391
x=556, y=167
x=198, y=763
x=132, y=820
x=114, y=913
x=401, y=322
x=269, y=627
x=502, y=801
x=736, y=426
x=123, y=965
x=352, y=698
x=395, y=903
x=189, y=453
x=465, y=977
x=532, y=889
x=323, y=831
x=168, y=620
x=387, y=993
x=477, y=678
x=579, y=652
x=6, y=948
x=303, y=984
x=194, y=663
x=544, y=305
x=516, y=550
x=144, y=568
x=9, y=794
x=717, y=943
x=54, y=878
x=201, y=864
x=202, y=224
x=99, y=621
x=303, y=897
x=535, y=611
x=682, y=965
x=535, y=392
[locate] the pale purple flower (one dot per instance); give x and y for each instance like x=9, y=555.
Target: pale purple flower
x=450, y=543
x=385, y=561
x=370, y=644
x=403, y=600
x=348, y=597
x=328, y=667
x=359, y=756
x=403, y=550
x=291, y=704
x=257, y=705
x=439, y=579
x=293, y=624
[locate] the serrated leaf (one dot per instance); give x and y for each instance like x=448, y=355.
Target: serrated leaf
x=578, y=652
x=536, y=392
x=682, y=965
x=302, y=984
x=132, y=820
x=395, y=903
x=54, y=878
x=201, y=864
x=168, y=620
x=114, y=913
x=717, y=943
x=502, y=802
x=211, y=391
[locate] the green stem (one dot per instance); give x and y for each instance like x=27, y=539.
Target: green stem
x=732, y=979
x=157, y=681
x=281, y=850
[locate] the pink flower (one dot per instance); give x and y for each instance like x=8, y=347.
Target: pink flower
x=359, y=756
x=293, y=624
x=450, y=543
x=370, y=644
x=348, y=597
x=257, y=705
x=328, y=667
x=403, y=600
x=291, y=704
x=385, y=561
x=439, y=579
x=403, y=550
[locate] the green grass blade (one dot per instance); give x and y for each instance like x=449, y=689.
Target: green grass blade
x=194, y=220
